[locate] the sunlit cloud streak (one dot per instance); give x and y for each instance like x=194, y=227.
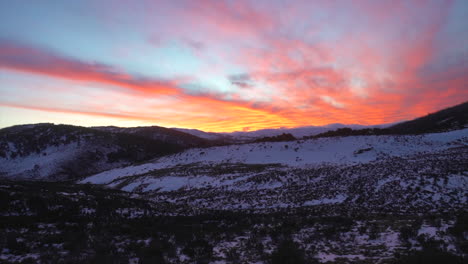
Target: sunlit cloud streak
x=39, y=61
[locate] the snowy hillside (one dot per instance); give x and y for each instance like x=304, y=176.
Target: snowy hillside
x=319, y=172
x=168, y=135
x=47, y=151
x=302, y=153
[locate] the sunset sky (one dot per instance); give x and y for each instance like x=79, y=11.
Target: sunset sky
x=230, y=65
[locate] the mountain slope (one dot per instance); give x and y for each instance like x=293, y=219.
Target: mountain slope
x=316, y=172
x=448, y=119
x=167, y=135
x=47, y=151
x=357, y=199
x=452, y=118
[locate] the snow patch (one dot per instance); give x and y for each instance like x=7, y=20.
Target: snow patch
x=335, y=200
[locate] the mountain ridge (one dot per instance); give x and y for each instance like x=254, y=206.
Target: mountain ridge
x=48, y=151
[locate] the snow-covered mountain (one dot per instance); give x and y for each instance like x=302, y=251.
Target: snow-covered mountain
x=167, y=135
x=206, y=135
x=353, y=199
x=47, y=151
x=328, y=166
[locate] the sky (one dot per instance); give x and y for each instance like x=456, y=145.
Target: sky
x=222, y=65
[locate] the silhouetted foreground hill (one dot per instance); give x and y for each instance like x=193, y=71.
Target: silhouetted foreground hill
x=448, y=119
x=452, y=118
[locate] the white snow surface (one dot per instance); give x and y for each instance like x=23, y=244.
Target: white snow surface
x=45, y=162
x=304, y=153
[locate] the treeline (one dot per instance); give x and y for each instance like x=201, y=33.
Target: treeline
x=279, y=138
x=346, y=131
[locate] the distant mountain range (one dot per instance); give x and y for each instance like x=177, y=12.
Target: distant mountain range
x=455, y=117
x=243, y=136
x=297, y=132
